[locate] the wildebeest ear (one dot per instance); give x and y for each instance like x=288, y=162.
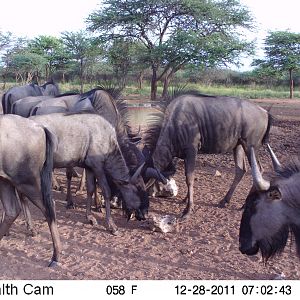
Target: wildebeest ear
x=274, y=193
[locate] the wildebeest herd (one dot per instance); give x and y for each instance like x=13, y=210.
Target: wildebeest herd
x=42, y=129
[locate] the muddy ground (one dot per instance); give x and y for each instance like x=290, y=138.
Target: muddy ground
x=205, y=247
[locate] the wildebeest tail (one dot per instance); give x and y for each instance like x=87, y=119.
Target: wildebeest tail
x=267, y=133
x=46, y=175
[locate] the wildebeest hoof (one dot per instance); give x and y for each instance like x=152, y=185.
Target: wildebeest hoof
x=115, y=232
x=113, y=229
x=222, y=204
x=53, y=264
x=185, y=215
x=33, y=232
x=92, y=220
x=70, y=206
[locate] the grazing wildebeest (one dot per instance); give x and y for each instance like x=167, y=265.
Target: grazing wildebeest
x=195, y=123
x=26, y=161
x=113, y=110
x=89, y=141
x=272, y=210
x=18, y=92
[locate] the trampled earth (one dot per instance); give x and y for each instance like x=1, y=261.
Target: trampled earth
x=204, y=247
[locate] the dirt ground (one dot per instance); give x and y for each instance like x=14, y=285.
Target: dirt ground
x=205, y=247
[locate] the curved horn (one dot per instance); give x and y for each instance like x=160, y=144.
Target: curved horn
x=276, y=164
x=154, y=173
x=259, y=182
x=137, y=173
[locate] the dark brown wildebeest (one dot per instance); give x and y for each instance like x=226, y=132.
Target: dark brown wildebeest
x=26, y=162
x=272, y=210
x=195, y=123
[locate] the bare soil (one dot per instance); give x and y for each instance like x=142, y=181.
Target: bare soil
x=204, y=247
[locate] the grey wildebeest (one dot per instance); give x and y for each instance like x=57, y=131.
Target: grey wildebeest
x=26, y=161
x=18, y=92
x=195, y=123
x=271, y=211
x=89, y=141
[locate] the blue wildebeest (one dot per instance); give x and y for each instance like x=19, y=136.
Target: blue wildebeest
x=18, y=92
x=39, y=105
x=114, y=110
x=26, y=161
x=195, y=123
x=271, y=211
x=89, y=141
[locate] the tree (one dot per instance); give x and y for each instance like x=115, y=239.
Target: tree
x=126, y=56
x=282, y=54
x=175, y=32
x=51, y=48
x=26, y=65
x=81, y=48
x=13, y=46
x=5, y=39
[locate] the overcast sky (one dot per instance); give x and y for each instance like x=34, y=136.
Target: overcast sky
x=38, y=17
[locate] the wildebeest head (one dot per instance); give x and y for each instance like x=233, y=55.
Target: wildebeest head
x=135, y=199
x=269, y=210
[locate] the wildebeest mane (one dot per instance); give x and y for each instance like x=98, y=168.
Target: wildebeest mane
x=120, y=113
x=181, y=91
x=292, y=188
x=155, y=120
x=291, y=198
x=291, y=169
x=154, y=126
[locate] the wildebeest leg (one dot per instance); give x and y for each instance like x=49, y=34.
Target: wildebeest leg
x=189, y=163
x=97, y=199
x=55, y=183
x=240, y=170
x=11, y=206
x=36, y=200
x=27, y=214
x=82, y=183
x=102, y=181
x=91, y=189
x=69, y=174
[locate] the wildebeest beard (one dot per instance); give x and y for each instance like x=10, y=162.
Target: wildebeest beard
x=275, y=244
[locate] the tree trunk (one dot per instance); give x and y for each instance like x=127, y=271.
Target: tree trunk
x=81, y=76
x=167, y=81
x=291, y=84
x=154, y=83
x=140, y=79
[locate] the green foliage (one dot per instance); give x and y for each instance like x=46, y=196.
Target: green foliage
x=5, y=39
x=26, y=64
x=176, y=32
x=51, y=48
x=282, y=50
